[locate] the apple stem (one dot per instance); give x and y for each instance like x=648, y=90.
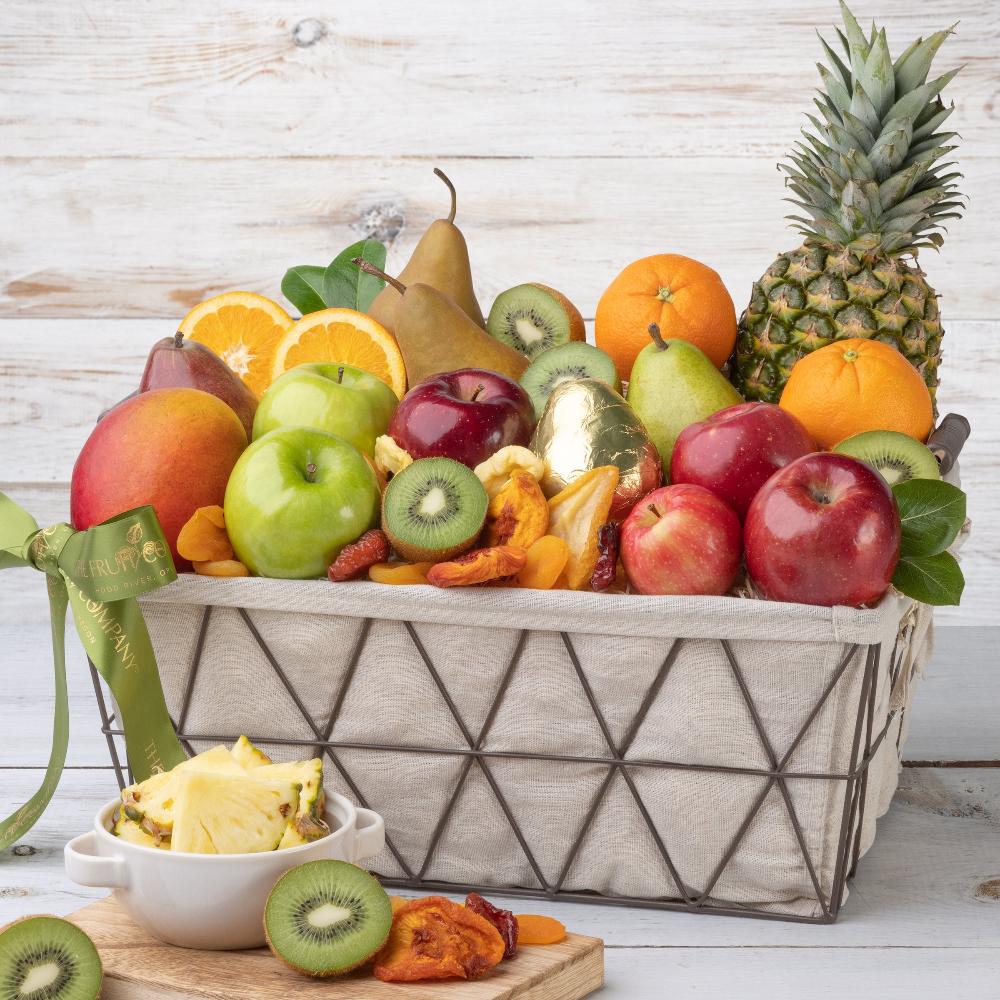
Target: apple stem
x=311, y=473
x=654, y=332
x=178, y=339
x=652, y=507
x=370, y=268
x=479, y=389
x=340, y=375
x=451, y=188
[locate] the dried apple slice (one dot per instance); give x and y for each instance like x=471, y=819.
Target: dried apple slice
x=497, y=470
x=576, y=515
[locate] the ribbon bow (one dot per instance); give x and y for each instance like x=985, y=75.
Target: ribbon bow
x=98, y=573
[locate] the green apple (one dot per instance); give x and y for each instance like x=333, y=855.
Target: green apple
x=295, y=498
x=338, y=399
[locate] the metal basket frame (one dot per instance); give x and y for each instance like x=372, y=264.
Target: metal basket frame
x=865, y=743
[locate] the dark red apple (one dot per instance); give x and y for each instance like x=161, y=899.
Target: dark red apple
x=736, y=450
x=823, y=530
x=681, y=539
x=176, y=363
x=466, y=415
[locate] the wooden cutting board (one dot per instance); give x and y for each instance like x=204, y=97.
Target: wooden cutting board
x=138, y=967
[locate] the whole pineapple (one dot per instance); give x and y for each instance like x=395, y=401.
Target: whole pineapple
x=872, y=182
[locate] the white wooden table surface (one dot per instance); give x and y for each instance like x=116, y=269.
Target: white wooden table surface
x=155, y=154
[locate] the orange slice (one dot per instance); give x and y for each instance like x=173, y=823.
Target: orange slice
x=244, y=329
x=345, y=336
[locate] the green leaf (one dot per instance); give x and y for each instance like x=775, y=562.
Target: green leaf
x=346, y=286
x=303, y=287
x=930, y=579
x=931, y=512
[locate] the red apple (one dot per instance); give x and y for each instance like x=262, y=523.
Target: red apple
x=681, y=539
x=176, y=363
x=823, y=530
x=736, y=450
x=172, y=448
x=466, y=415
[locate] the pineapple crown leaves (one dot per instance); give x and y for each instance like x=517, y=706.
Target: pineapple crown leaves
x=872, y=170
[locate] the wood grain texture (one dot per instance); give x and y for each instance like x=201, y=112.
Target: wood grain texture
x=132, y=959
x=140, y=237
x=399, y=79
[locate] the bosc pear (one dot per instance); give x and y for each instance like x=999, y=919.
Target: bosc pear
x=435, y=336
x=441, y=260
x=674, y=384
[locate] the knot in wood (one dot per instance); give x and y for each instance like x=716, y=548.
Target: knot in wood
x=382, y=221
x=308, y=32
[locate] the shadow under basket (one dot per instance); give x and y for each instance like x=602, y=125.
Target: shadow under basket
x=714, y=755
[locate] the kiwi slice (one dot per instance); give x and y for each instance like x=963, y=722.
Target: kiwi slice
x=46, y=958
x=532, y=318
x=433, y=509
x=569, y=361
x=325, y=918
x=896, y=456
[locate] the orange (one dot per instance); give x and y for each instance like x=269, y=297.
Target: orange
x=244, y=329
x=685, y=298
x=857, y=385
x=345, y=336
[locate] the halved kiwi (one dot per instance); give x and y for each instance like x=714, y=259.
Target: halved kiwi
x=896, y=456
x=532, y=318
x=433, y=509
x=559, y=364
x=325, y=918
x=47, y=958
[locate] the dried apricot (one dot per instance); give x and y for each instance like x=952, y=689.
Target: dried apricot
x=399, y=572
x=203, y=537
x=479, y=566
x=518, y=514
x=576, y=515
x=434, y=938
x=533, y=928
x=220, y=567
x=544, y=562
x=498, y=469
x=356, y=559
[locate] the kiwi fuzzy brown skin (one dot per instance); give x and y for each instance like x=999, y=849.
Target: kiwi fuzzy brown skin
x=525, y=300
x=81, y=939
x=417, y=553
x=339, y=970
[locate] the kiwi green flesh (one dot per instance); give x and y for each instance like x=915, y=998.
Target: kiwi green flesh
x=325, y=918
x=559, y=364
x=46, y=958
x=433, y=509
x=528, y=319
x=897, y=457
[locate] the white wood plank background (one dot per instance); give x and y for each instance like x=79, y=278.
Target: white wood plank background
x=152, y=154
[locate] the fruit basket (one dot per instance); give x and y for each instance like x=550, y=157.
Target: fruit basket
x=704, y=754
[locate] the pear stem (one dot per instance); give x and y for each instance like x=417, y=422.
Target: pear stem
x=654, y=332
x=451, y=188
x=311, y=473
x=370, y=268
x=178, y=339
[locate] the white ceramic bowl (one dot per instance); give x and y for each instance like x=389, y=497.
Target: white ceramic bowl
x=211, y=901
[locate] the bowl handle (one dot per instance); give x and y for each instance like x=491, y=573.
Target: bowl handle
x=369, y=835
x=85, y=867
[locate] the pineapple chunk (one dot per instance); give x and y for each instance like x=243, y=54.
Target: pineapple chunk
x=132, y=832
x=230, y=814
x=307, y=824
x=218, y=760
x=248, y=756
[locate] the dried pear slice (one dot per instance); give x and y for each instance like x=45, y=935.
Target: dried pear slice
x=576, y=515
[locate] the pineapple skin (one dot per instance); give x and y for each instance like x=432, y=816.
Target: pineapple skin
x=816, y=295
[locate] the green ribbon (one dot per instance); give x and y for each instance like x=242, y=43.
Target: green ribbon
x=98, y=573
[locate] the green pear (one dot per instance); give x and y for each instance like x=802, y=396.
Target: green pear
x=674, y=384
